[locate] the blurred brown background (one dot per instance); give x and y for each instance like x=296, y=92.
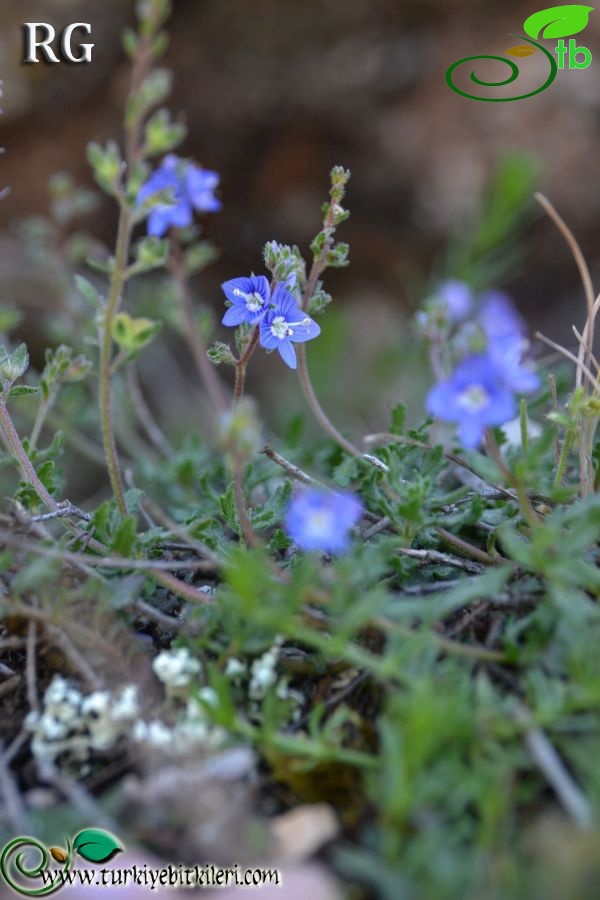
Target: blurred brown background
x=274, y=92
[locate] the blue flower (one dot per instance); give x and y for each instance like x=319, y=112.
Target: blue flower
x=249, y=299
x=507, y=354
x=285, y=324
x=322, y=521
x=498, y=316
x=192, y=188
x=475, y=397
x=457, y=298
x=507, y=344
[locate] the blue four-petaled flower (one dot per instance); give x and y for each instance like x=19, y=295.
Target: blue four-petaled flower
x=475, y=397
x=192, y=189
x=322, y=521
x=249, y=298
x=285, y=324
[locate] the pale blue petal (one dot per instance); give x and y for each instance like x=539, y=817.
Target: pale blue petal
x=441, y=403
x=287, y=352
x=470, y=431
x=267, y=338
x=286, y=304
x=303, y=333
x=159, y=220
x=502, y=408
x=235, y=315
x=181, y=215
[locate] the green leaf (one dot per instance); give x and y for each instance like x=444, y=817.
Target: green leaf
x=88, y=291
x=133, y=499
x=273, y=511
x=161, y=134
x=558, y=21
x=15, y=364
x=397, y=419
x=22, y=390
x=107, y=164
x=95, y=845
x=228, y=509
x=151, y=253
x=125, y=536
x=221, y=353
x=134, y=334
x=153, y=90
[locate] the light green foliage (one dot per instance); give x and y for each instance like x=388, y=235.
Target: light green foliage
x=13, y=365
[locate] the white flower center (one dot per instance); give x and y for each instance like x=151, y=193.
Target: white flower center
x=320, y=524
x=254, y=301
x=282, y=329
x=474, y=398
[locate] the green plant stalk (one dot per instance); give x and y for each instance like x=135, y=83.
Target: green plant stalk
x=562, y=460
x=105, y=385
x=250, y=536
x=14, y=442
x=133, y=129
x=303, y=373
x=242, y=365
x=525, y=505
x=316, y=408
x=42, y=413
x=524, y=428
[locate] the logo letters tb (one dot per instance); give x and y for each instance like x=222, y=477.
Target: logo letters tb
x=39, y=36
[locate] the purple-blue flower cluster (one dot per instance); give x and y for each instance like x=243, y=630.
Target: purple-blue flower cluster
x=282, y=323
x=480, y=391
x=322, y=521
x=192, y=189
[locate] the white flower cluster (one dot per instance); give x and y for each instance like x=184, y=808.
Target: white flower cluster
x=263, y=673
x=192, y=731
x=176, y=668
x=74, y=725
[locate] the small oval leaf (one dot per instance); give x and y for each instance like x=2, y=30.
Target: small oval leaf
x=59, y=854
x=558, y=21
x=96, y=845
x=521, y=50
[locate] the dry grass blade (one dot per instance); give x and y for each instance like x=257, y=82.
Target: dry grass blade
x=584, y=350
x=567, y=353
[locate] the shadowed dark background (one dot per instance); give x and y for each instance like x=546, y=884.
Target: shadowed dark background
x=274, y=93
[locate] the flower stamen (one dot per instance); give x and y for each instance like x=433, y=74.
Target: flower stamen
x=253, y=301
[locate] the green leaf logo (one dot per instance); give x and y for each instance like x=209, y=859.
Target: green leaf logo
x=95, y=845
x=558, y=21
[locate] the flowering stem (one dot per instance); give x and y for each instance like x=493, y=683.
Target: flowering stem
x=206, y=370
x=242, y=365
x=17, y=448
x=133, y=129
x=110, y=310
x=319, y=264
x=316, y=408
